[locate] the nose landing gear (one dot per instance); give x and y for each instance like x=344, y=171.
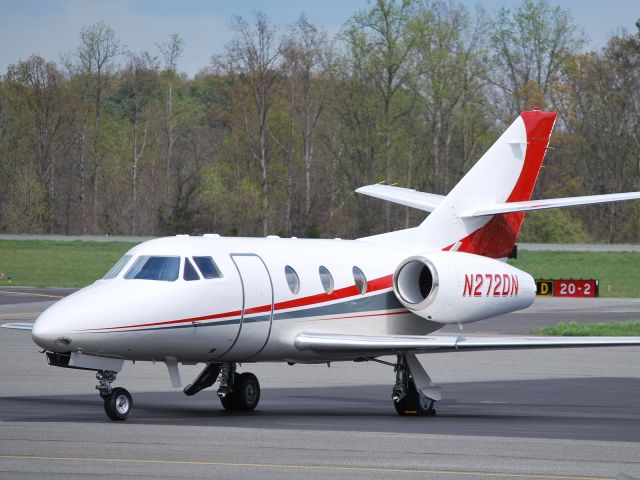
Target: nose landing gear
x=117, y=401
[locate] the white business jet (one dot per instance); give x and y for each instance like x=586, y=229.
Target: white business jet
x=224, y=301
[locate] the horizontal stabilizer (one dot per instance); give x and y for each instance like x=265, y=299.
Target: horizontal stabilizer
x=18, y=326
x=404, y=196
x=323, y=342
x=530, y=205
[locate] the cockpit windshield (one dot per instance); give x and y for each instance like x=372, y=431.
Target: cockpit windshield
x=115, y=270
x=155, y=268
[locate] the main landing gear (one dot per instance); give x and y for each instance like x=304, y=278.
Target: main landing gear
x=413, y=393
x=117, y=401
x=237, y=391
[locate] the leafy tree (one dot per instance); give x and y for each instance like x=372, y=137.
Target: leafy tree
x=530, y=45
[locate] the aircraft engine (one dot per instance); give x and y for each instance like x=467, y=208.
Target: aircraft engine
x=456, y=287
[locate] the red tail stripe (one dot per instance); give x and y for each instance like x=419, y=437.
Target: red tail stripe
x=497, y=238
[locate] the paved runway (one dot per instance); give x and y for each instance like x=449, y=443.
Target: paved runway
x=532, y=414
x=16, y=295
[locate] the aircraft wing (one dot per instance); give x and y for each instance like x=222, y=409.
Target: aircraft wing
x=404, y=196
x=326, y=342
x=530, y=205
x=18, y=326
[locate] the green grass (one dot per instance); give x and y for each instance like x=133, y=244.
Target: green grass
x=575, y=329
x=43, y=263
x=618, y=272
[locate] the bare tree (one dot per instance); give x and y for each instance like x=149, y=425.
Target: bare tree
x=98, y=50
x=252, y=58
x=307, y=64
x=171, y=51
x=37, y=85
x=138, y=85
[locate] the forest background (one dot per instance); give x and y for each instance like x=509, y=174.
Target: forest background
x=275, y=134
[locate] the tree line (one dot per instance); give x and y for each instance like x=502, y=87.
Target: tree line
x=273, y=136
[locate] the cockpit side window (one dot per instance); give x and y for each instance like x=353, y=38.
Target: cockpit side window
x=189, y=273
x=154, y=268
x=207, y=267
x=117, y=268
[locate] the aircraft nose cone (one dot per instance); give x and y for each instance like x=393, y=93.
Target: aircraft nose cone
x=47, y=333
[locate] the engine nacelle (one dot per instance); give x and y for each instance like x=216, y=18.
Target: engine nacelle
x=456, y=287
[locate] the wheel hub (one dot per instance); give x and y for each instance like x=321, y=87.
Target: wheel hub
x=122, y=404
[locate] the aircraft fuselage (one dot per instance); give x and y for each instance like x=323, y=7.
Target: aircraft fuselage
x=268, y=290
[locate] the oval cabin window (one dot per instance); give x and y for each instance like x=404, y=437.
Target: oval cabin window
x=327, y=279
x=292, y=279
x=360, y=280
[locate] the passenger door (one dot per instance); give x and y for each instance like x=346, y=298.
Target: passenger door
x=257, y=307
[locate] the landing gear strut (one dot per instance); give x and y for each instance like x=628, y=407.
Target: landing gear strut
x=117, y=401
x=238, y=391
x=412, y=382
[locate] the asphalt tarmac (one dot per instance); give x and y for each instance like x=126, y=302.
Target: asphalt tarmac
x=531, y=414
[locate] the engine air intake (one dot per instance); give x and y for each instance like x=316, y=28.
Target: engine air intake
x=415, y=283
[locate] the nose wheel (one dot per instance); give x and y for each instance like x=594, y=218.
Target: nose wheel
x=118, y=404
x=117, y=401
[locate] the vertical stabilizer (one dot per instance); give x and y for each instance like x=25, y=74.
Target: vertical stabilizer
x=507, y=172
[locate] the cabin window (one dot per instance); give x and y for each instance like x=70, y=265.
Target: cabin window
x=292, y=279
x=360, y=279
x=154, y=268
x=207, y=267
x=189, y=273
x=327, y=279
x=117, y=268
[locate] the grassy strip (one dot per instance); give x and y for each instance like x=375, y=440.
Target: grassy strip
x=607, y=329
x=618, y=272
x=45, y=263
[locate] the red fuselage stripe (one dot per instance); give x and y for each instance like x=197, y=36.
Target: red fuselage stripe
x=340, y=294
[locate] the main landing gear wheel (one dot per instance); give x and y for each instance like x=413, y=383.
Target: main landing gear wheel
x=407, y=399
x=245, y=393
x=118, y=404
x=415, y=403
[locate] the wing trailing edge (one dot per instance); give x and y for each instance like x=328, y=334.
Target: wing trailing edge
x=323, y=342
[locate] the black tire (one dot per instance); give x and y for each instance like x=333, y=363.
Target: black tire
x=246, y=391
x=118, y=404
x=245, y=395
x=228, y=403
x=414, y=403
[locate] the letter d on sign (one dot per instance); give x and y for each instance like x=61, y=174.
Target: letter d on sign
x=544, y=288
